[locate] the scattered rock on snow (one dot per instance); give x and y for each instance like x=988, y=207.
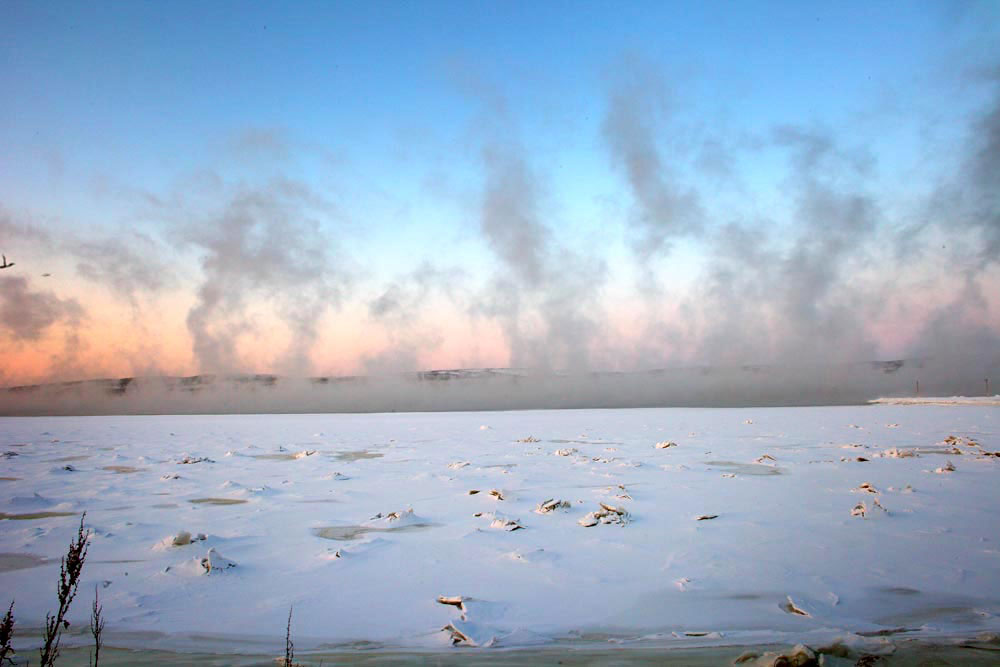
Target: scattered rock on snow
x=665, y=444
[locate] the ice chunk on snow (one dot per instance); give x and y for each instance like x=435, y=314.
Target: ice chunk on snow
x=468, y=633
x=216, y=562
x=946, y=468
x=895, y=453
x=394, y=519
x=189, y=460
x=183, y=538
x=503, y=523
x=551, y=505
x=608, y=514
x=790, y=607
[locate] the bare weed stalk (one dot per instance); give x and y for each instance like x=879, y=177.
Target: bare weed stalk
x=70, y=569
x=6, y=633
x=96, y=627
x=289, y=646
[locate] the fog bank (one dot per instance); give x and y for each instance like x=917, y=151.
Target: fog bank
x=506, y=389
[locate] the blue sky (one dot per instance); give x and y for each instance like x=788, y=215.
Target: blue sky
x=385, y=110
x=149, y=87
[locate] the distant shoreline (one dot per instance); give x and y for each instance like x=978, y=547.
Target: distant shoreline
x=497, y=389
x=939, y=400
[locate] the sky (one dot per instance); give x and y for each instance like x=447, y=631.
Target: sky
x=345, y=188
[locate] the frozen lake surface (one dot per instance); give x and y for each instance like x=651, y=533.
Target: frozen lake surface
x=718, y=527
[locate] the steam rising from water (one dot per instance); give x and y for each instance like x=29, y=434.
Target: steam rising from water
x=817, y=288
x=267, y=243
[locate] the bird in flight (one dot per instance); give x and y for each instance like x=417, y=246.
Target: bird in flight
x=46, y=275
x=5, y=265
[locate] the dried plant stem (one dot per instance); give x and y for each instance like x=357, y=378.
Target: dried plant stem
x=6, y=633
x=289, y=646
x=96, y=627
x=69, y=580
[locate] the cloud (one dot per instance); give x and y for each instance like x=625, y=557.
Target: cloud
x=126, y=267
x=12, y=230
x=128, y=264
x=26, y=314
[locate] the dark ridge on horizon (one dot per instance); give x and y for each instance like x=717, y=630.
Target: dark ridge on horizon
x=443, y=390
x=119, y=386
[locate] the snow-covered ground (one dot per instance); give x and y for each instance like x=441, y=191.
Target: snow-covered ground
x=736, y=526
